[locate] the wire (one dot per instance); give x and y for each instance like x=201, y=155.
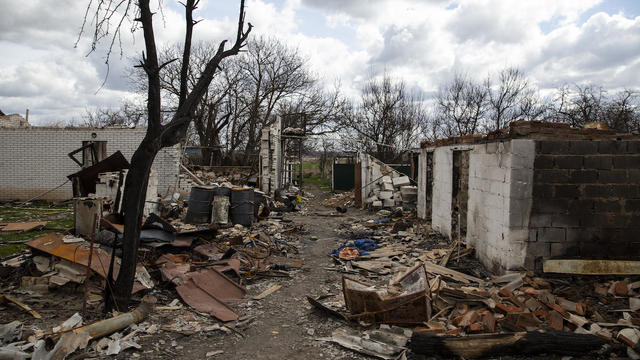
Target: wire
x=45, y=193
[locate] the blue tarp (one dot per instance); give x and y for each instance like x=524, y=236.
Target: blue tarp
x=362, y=245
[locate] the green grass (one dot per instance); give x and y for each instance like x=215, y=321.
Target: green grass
x=57, y=218
x=323, y=184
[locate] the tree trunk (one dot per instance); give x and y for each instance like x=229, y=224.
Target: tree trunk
x=135, y=192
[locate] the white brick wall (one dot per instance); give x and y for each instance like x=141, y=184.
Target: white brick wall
x=35, y=160
x=499, y=205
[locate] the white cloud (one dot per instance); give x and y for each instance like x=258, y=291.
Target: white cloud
x=422, y=41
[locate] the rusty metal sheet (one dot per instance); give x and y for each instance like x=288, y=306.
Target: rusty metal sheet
x=229, y=265
x=24, y=226
x=205, y=302
x=175, y=273
x=209, y=251
x=79, y=253
x=217, y=284
x=410, y=306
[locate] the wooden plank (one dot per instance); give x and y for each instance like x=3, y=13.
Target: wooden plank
x=452, y=274
x=24, y=226
x=592, y=267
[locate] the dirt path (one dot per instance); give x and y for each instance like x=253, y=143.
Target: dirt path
x=285, y=325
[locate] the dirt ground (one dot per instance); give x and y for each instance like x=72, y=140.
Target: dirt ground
x=285, y=325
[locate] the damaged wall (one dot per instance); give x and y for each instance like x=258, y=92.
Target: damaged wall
x=586, y=200
x=499, y=198
x=540, y=191
x=35, y=160
x=383, y=186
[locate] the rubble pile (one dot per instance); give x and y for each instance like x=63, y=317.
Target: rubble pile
x=342, y=200
x=417, y=279
x=198, y=253
x=385, y=187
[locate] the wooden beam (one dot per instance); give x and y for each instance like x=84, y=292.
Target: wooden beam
x=495, y=345
x=592, y=267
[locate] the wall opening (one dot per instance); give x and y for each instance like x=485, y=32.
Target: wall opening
x=429, y=185
x=459, y=194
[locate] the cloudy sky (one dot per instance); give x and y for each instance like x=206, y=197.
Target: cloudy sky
x=422, y=41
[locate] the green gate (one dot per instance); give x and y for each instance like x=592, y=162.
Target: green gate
x=343, y=176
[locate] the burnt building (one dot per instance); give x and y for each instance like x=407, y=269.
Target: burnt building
x=535, y=192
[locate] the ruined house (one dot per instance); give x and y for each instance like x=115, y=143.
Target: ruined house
x=13, y=121
x=537, y=191
x=35, y=160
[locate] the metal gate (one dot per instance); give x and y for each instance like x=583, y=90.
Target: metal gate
x=343, y=176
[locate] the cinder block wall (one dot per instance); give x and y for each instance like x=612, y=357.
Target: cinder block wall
x=499, y=203
x=586, y=200
x=500, y=183
x=34, y=160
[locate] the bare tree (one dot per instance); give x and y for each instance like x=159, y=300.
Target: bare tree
x=578, y=105
x=388, y=118
x=110, y=15
x=512, y=98
x=460, y=108
x=128, y=114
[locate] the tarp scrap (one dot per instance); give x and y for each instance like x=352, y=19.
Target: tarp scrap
x=363, y=246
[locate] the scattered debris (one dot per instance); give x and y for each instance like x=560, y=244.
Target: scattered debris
x=23, y=226
x=268, y=292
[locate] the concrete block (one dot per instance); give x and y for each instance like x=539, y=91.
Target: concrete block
x=612, y=176
x=387, y=186
x=388, y=203
x=384, y=195
x=376, y=204
x=401, y=181
x=569, y=162
x=584, y=147
x=409, y=190
x=371, y=199
x=386, y=179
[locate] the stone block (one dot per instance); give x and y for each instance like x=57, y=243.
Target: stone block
x=626, y=162
x=611, y=147
x=542, y=191
x=581, y=206
x=388, y=202
x=401, y=181
x=555, y=176
x=377, y=204
x=607, y=206
x=386, y=186
x=567, y=191
x=554, y=147
x=543, y=162
x=612, y=176
x=386, y=179
x=632, y=205
x=565, y=221
x=385, y=195
x=583, y=177
x=585, y=147
x=598, y=162
x=569, y=162
x=551, y=235
x=371, y=200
